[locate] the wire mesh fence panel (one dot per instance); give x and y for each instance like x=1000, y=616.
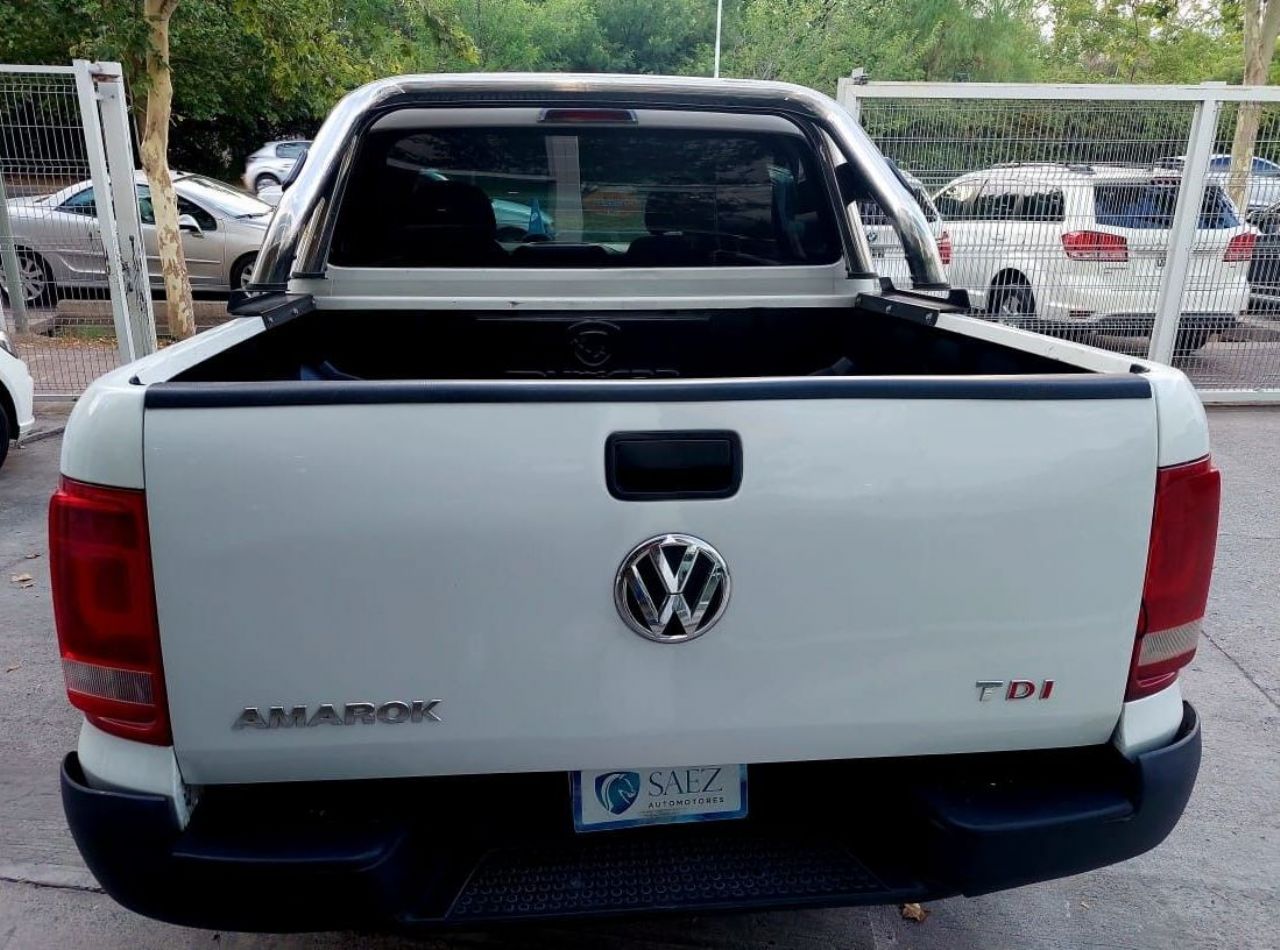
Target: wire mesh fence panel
x=56, y=311
x=1245, y=355
x=1057, y=215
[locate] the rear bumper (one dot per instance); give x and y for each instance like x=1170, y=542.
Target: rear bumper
x=469, y=850
x=1141, y=324
x=1208, y=297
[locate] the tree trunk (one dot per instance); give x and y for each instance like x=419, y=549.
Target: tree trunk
x=1246, y=134
x=1261, y=25
x=155, y=160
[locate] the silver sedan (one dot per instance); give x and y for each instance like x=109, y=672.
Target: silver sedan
x=269, y=166
x=60, y=249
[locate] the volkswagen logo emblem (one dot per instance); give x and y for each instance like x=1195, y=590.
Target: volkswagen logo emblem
x=672, y=588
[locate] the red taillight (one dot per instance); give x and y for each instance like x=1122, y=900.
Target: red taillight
x=1240, y=248
x=1184, y=532
x=1095, y=246
x=104, y=605
x=944, y=248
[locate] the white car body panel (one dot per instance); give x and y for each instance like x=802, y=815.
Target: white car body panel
x=1150, y=722
x=827, y=650
x=16, y=380
x=112, y=762
x=108, y=417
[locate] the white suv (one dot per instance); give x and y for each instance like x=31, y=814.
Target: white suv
x=1080, y=245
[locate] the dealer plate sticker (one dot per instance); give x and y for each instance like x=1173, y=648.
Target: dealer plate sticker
x=617, y=798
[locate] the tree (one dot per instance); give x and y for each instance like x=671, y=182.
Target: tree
x=815, y=42
x=155, y=161
x=1261, y=26
x=1141, y=41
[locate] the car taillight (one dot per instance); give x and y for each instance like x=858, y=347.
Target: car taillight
x=944, y=248
x=1184, y=533
x=1095, y=246
x=104, y=606
x=1240, y=248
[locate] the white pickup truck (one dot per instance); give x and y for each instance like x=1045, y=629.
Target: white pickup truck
x=646, y=554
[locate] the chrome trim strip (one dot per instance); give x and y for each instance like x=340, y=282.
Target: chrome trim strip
x=330, y=155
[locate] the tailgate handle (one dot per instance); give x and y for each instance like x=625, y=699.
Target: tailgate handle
x=664, y=466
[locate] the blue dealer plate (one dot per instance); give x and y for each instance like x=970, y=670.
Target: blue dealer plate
x=618, y=798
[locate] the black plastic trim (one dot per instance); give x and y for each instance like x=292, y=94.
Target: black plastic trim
x=955, y=301
x=379, y=392
x=273, y=307
x=673, y=465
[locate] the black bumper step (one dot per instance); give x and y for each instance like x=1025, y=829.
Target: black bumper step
x=666, y=872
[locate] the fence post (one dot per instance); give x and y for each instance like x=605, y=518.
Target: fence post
x=847, y=93
x=1186, y=215
x=87, y=96
x=9, y=260
x=114, y=115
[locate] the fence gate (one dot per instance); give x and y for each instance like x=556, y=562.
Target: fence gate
x=1108, y=214
x=73, y=262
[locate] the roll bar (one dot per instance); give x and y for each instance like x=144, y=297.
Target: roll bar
x=297, y=241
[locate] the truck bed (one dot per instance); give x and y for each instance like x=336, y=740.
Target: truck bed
x=345, y=344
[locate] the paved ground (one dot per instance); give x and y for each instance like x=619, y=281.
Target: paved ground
x=1214, y=883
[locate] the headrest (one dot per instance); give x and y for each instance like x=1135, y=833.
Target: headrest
x=451, y=205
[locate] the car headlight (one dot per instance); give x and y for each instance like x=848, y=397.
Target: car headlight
x=5, y=344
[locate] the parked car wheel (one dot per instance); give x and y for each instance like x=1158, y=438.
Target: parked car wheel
x=263, y=182
x=6, y=433
x=1011, y=300
x=37, y=280
x=242, y=271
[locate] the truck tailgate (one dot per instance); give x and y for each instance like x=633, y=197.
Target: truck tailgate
x=886, y=555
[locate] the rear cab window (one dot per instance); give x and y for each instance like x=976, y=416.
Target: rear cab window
x=584, y=195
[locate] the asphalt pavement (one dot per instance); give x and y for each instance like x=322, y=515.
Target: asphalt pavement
x=1214, y=883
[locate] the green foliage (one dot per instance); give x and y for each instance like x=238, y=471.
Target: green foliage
x=244, y=71
x=1156, y=41
x=622, y=36
x=249, y=70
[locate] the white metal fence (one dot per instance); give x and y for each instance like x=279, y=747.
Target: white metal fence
x=1107, y=214
x=73, y=266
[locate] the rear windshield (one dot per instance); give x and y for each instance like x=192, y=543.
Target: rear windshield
x=1149, y=205
x=583, y=197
